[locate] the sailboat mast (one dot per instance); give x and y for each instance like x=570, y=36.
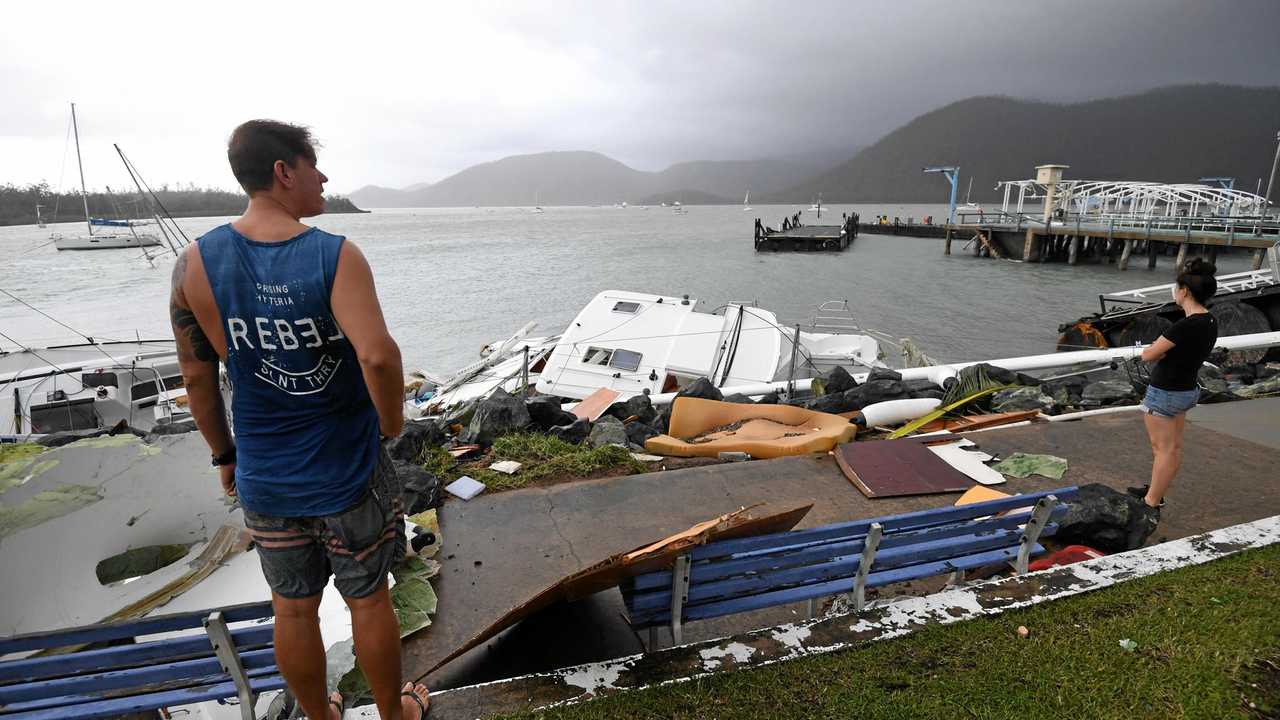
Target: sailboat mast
x=84, y=193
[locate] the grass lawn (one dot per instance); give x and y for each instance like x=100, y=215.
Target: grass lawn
x=1207, y=644
x=545, y=459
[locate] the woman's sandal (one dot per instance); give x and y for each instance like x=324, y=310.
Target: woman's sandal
x=422, y=709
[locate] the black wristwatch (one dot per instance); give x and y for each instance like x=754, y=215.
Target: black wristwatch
x=226, y=458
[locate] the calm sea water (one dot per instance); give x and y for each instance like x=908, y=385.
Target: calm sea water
x=454, y=279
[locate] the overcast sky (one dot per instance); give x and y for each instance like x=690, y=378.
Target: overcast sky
x=409, y=92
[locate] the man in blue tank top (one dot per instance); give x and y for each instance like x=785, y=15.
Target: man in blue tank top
x=316, y=382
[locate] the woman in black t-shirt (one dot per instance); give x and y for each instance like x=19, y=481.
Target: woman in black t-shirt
x=1174, y=387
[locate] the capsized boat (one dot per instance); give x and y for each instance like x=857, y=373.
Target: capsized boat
x=637, y=342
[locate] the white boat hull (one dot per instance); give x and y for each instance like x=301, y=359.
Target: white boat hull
x=112, y=241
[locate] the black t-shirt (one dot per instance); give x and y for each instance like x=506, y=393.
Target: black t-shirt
x=1193, y=338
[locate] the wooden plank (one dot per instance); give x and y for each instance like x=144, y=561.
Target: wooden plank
x=133, y=677
x=891, y=523
x=29, y=669
x=102, y=632
x=151, y=701
x=594, y=405
x=840, y=585
x=894, y=468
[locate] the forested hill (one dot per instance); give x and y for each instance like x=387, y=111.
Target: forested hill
x=1173, y=134
x=590, y=178
x=18, y=204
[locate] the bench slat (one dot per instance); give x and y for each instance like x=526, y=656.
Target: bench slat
x=129, y=628
x=765, y=579
x=835, y=587
x=29, y=669
x=132, y=678
x=70, y=700
x=790, y=554
x=149, y=701
x=890, y=523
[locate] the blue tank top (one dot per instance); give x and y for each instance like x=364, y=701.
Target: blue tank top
x=306, y=430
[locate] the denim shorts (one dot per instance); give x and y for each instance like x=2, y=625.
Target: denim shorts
x=1169, y=403
x=358, y=546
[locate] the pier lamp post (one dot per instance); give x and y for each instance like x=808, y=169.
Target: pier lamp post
x=1271, y=181
x=952, y=173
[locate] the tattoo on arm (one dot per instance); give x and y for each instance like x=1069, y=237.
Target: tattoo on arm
x=193, y=344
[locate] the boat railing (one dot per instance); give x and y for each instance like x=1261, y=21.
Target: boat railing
x=1159, y=294
x=1242, y=226
x=835, y=317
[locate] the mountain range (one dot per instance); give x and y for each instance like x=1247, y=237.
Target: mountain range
x=1172, y=134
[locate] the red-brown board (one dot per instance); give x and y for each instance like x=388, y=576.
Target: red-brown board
x=893, y=468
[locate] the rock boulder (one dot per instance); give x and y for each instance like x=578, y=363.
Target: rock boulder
x=608, y=430
x=1022, y=398
x=416, y=436
x=499, y=414
x=1106, y=519
x=573, y=433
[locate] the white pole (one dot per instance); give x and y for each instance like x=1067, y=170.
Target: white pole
x=84, y=193
x=938, y=373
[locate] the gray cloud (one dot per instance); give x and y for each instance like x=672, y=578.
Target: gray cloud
x=404, y=93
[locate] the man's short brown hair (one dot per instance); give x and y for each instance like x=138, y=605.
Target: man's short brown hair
x=256, y=145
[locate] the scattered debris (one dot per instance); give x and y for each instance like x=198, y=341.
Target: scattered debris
x=761, y=431
x=979, y=493
x=964, y=456
x=1128, y=645
x=608, y=573
x=734, y=456
x=1022, y=465
x=593, y=406
x=465, y=487
x=1023, y=632
x=893, y=468
x=506, y=467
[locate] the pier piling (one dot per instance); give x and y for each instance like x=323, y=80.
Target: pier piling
x=1182, y=257
x=1258, y=256
x=1124, y=254
x=1073, y=254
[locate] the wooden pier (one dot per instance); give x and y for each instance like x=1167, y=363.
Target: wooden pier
x=1073, y=240
x=805, y=238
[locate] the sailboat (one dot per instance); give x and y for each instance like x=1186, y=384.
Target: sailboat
x=537, y=203
x=100, y=240
x=746, y=202
x=39, y=219
x=817, y=205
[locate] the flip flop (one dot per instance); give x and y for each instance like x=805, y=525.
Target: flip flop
x=422, y=709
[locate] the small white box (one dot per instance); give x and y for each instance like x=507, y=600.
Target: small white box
x=507, y=467
x=465, y=487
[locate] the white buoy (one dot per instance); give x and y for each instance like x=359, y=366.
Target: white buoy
x=893, y=412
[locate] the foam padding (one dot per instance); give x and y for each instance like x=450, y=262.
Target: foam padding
x=762, y=431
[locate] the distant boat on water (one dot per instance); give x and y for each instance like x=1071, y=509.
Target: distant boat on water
x=100, y=240
x=746, y=202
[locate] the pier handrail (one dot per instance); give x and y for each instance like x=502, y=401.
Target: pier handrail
x=1159, y=294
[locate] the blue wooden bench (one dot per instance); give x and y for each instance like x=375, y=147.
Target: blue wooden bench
x=733, y=576
x=122, y=672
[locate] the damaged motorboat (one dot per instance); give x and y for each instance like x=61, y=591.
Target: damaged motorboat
x=90, y=386
x=637, y=343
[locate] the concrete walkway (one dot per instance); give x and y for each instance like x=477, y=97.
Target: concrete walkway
x=502, y=549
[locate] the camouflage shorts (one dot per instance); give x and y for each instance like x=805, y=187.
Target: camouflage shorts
x=358, y=546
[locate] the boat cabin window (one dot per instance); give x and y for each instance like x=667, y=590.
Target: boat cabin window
x=99, y=378
x=628, y=360
x=64, y=415
x=147, y=388
x=625, y=360
x=622, y=306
